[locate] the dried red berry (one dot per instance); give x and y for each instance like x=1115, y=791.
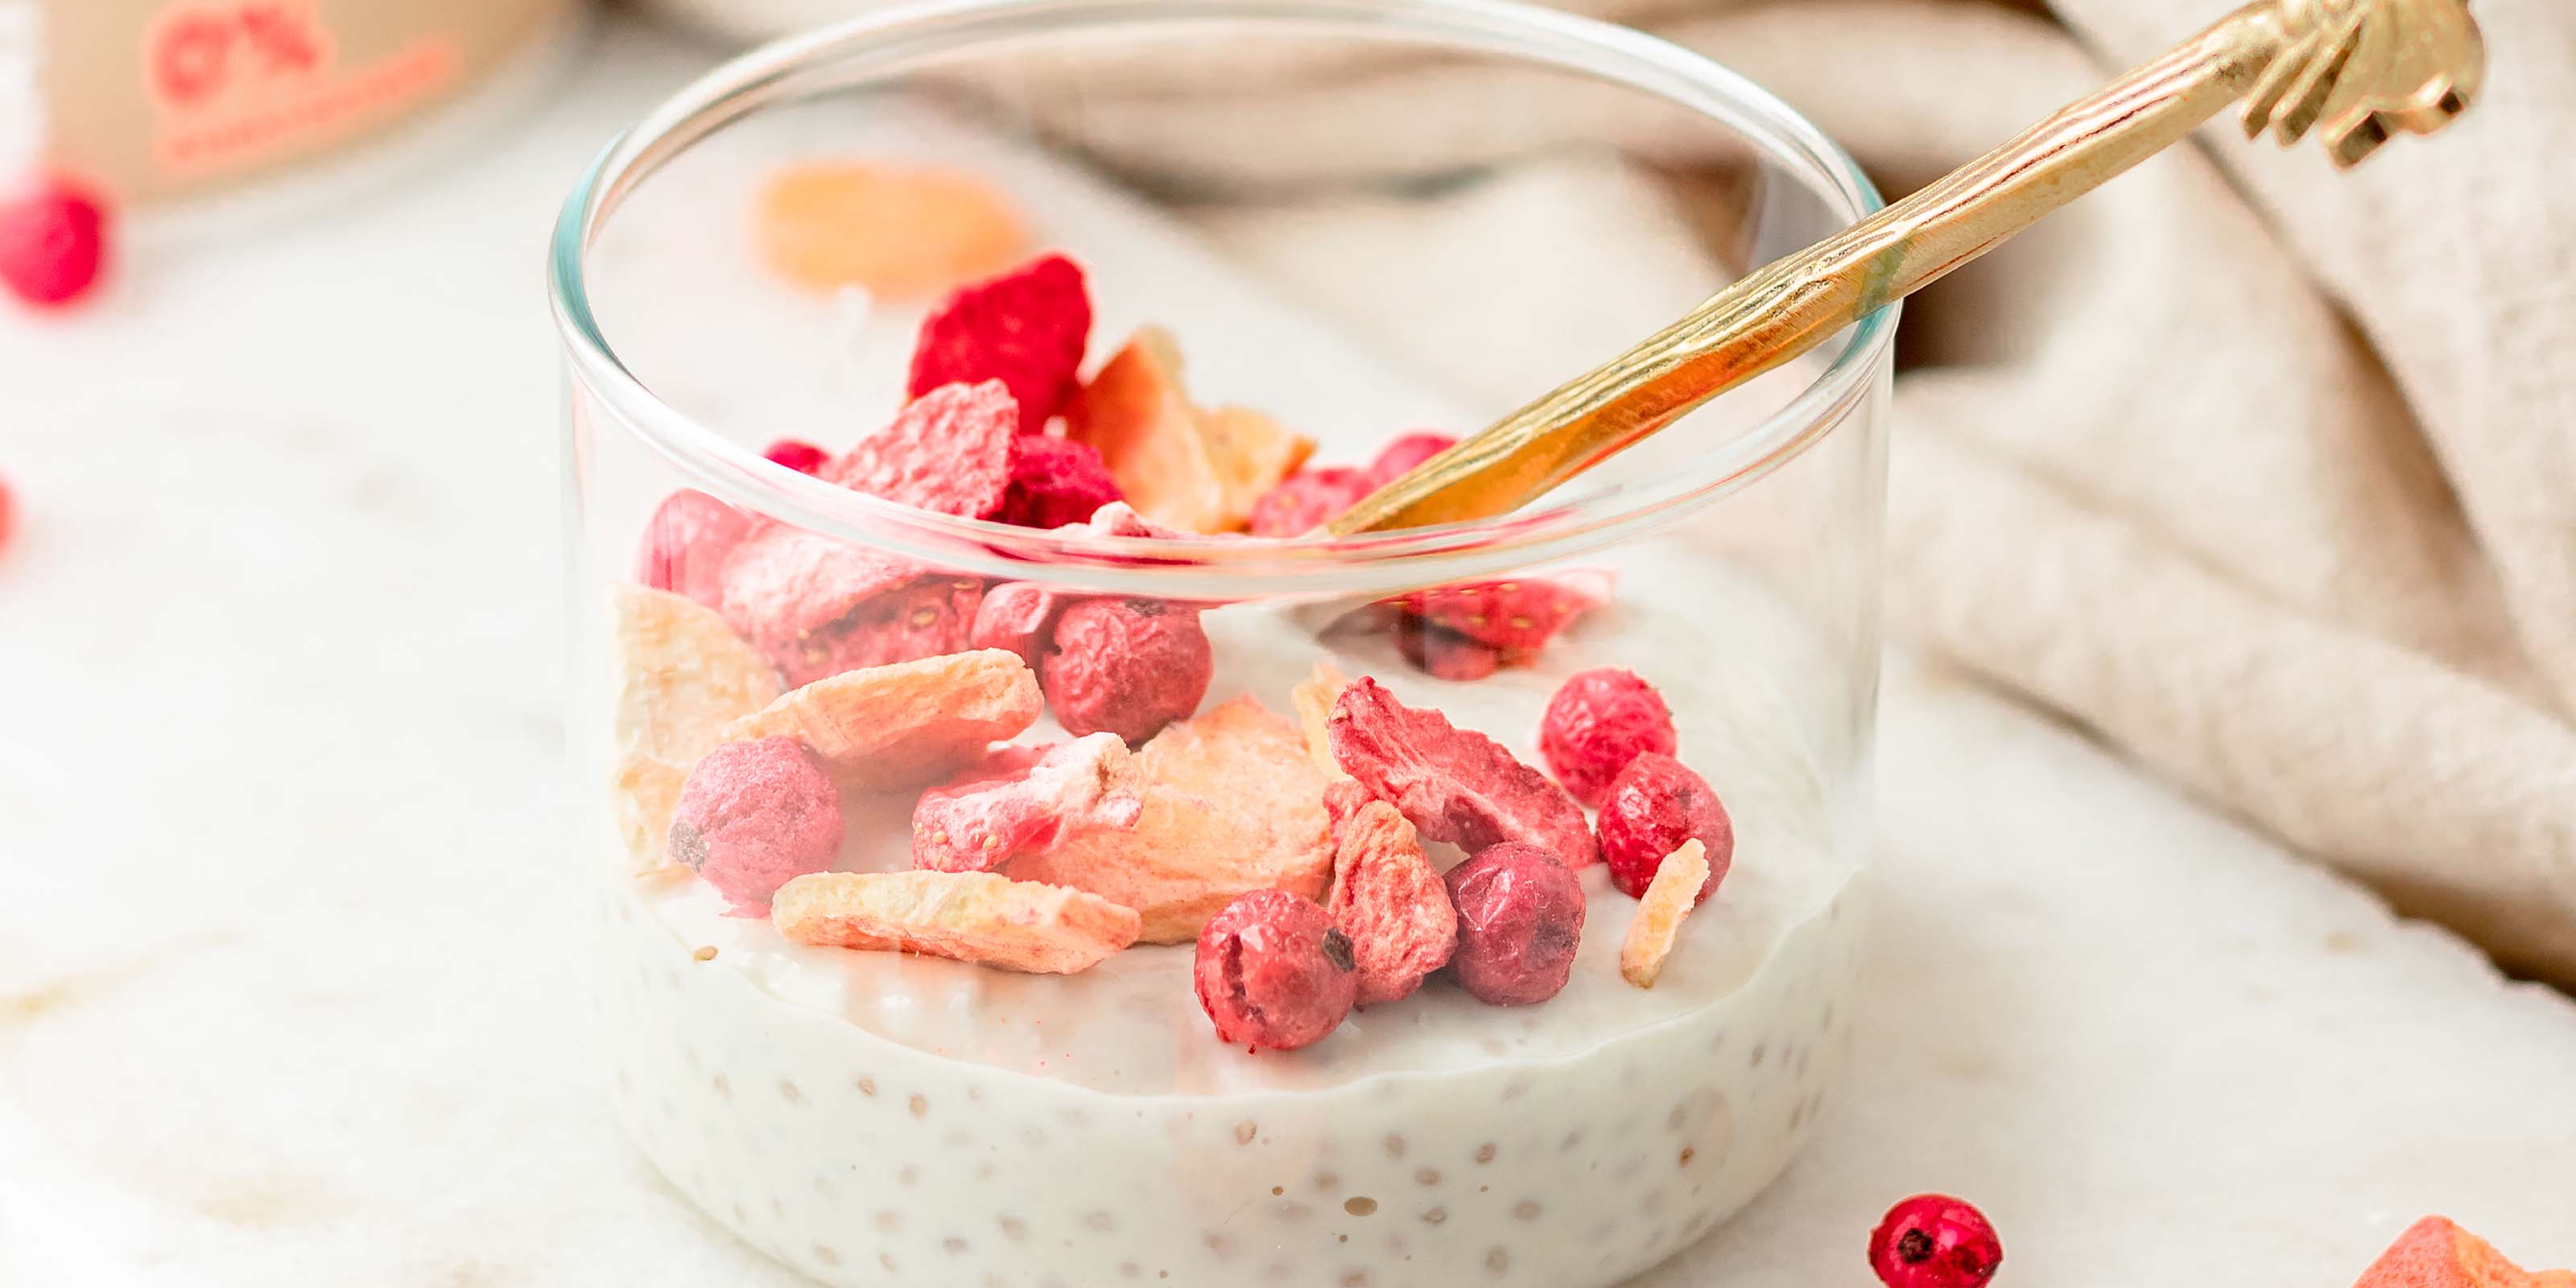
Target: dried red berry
x=1026, y=328
x=1271, y=971
x=686, y=543
x=1517, y=615
x=1399, y=457
x=1442, y=652
x=1654, y=805
x=753, y=816
x=1598, y=721
x=1126, y=666
x=798, y=455
x=1520, y=920
x=1454, y=784
x=1024, y=800
x=53, y=243
x=1055, y=482
x=1934, y=1241
x=1308, y=499
x=948, y=452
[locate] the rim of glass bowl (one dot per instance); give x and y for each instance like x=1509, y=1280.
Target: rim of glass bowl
x=856, y=52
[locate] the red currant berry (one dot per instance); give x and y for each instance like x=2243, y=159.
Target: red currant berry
x=1935, y=1241
x=797, y=455
x=53, y=243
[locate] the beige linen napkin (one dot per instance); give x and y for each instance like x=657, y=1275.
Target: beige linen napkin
x=2265, y=474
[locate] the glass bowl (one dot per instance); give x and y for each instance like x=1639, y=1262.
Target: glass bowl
x=895, y=1005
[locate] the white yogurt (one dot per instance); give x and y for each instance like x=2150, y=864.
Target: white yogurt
x=875, y=1119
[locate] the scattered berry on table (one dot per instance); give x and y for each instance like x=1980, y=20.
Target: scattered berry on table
x=53, y=242
x=686, y=543
x=754, y=815
x=1126, y=666
x=1598, y=721
x=1272, y=972
x=1520, y=920
x=798, y=455
x=1654, y=805
x=1026, y=328
x=1934, y=1241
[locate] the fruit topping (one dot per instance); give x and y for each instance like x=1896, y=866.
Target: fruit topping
x=753, y=815
x=1272, y=972
x=1453, y=784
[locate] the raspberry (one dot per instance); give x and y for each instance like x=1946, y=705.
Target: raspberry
x=1055, y=482
x=1520, y=919
x=798, y=455
x=1519, y=615
x=948, y=451
x=754, y=815
x=1308, y=499
x=1398, y=458
x=1454, y=784
x=53, y=243
x=1934, y=1241
x=1598, y=721
x=1026, y=329
x=1654, y=805
x=686, y=543
x=1025, y=800
x=1442, y=652
x=1126, y=666
x=1386, y=896
x=1272, y=971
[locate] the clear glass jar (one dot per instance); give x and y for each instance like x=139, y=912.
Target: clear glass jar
x=881, y=1117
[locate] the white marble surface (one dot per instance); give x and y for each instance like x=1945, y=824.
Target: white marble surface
x=282, y=828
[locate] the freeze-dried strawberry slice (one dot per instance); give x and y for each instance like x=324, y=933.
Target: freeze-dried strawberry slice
x=818, y=607
x=1055, y=482
x=948, y=451
x=1455, y=784
x=1026, y=328
x=1023, y=800
x=1308, y=499
x=1389, y=899
x=1399, y=457
x=1517, y=615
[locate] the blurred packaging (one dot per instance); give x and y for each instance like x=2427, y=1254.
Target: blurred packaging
x=155, y=100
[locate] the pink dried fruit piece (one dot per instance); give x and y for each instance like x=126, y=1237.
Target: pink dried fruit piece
x=910, y=724
x=1273, y=973
x=1442, y=653
x=964, y=916
x=1025, y=800
x=1597, y=722
x=1054, y=483
x=1399, y=456
x=754, y=815
x=1126, y=666
x=1308, y=499
x=1232, y=804
x=1389, y=899
x=686, y=544
x=1654, y=805
x=798, y=455
x=1520, y=921
x=1026, y=329
x=818, y=607
x=1517, y=615
x=948, y=451
x=1453, y=784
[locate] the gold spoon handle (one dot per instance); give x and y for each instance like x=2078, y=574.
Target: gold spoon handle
x=2361, y=67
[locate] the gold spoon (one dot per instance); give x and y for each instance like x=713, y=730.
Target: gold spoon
x=2356, y=71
